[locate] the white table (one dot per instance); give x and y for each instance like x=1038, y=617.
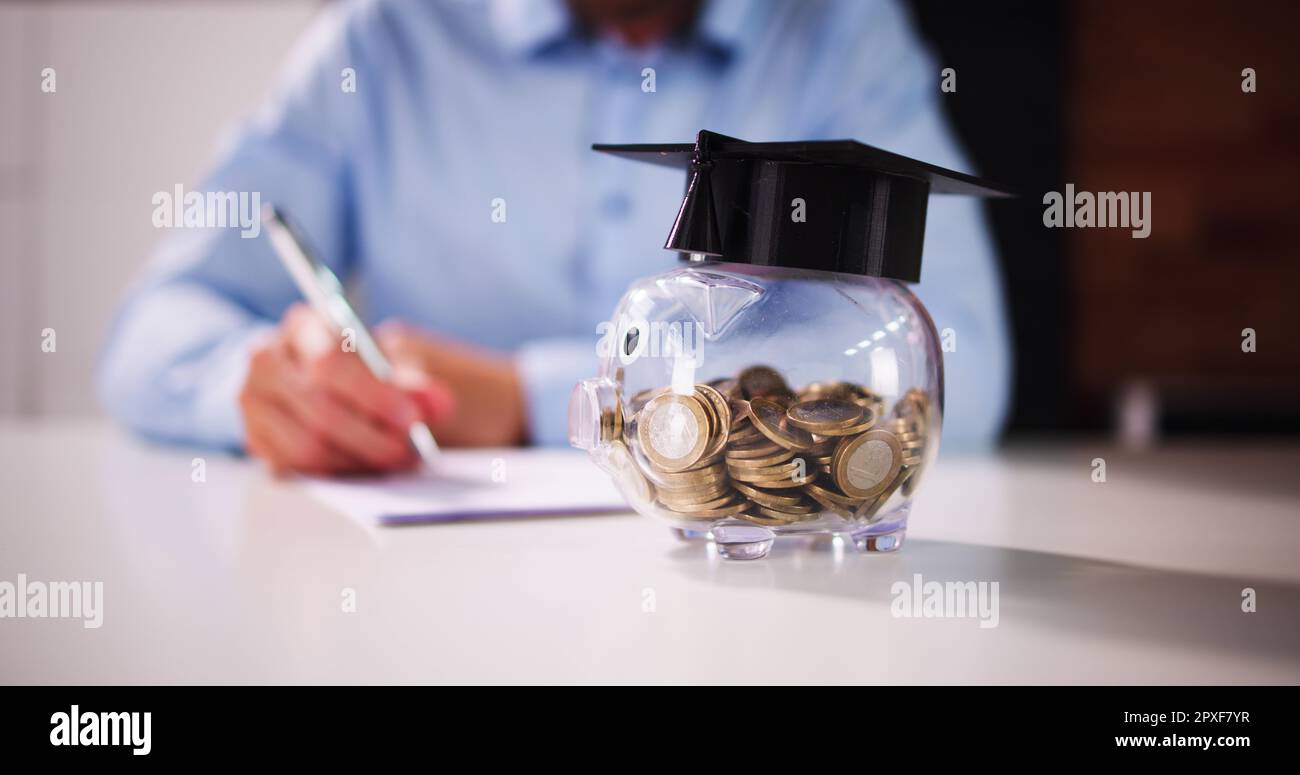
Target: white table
x=241, y=579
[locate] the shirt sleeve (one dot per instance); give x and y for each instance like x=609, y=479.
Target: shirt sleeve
x=548, y=369
x=894, y=104
x=176, y=353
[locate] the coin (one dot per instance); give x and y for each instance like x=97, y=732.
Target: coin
x=782, y=515
x=804, y=506
x=842, y=390
x=611, y=423
x=760, y=381
x=765, y=498
x=683, y=498
x=638, y=401
x=821, y=493
x=834, y=508
x=752, y=451
x=727, y=386
x=730, y=510
x=759, y=519
x=721, y=421
x=868, y=420
x=765, y=461
x=739, y=412
x=746, y=448
x=770, y=420
x=775, y=483
x=707, y=506
x=870, y=511
x=674, y=430
x=825, y=415
x=866, y=464
x=697, y=480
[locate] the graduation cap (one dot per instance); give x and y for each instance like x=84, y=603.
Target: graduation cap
x=832, y=205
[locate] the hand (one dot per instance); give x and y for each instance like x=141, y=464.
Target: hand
x=311, y=406
x=484, y=385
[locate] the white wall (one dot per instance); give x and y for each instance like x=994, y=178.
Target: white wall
x=144, y=90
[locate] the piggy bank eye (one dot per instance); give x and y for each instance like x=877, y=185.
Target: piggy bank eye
x=630, y=341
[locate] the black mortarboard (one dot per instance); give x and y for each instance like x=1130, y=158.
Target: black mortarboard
x=863, y=208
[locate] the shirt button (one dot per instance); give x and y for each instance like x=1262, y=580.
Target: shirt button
x=616, y=206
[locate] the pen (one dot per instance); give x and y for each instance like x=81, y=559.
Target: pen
x=324, y=293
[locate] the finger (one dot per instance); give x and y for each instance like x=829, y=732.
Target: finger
x=276, y=435
x=345, y=376
x=402, y=342
x=377, y=446
x=434, y=397
x=269, y=366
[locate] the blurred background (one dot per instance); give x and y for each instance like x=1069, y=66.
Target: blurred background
x=1113, y=335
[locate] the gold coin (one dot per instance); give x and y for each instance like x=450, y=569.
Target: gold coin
x=705, y=506
x=838, y=510
x=611, y=422
x=913, y=479
x=637, y=402
x=727, y=386
x=688, y=499
x=825, y=415
x=690, y=476
x=690, y=489
x=774, y=514
x=823, y=494
x=766, y=461
x=674, y=431
x=730, y=510
x=739, y=412
x=868, y=510
x=720, y=428
x=765, y=498
x=868, y=420
x=696, y=482
x=802, y=507
x=760, y=381
x=760, y=448
x=765, y=521
x=823, y=445
x=815, y=390
x=709, y=461
x=783, y=481
x=865, y=465
x=771, y=470
x=770, y=420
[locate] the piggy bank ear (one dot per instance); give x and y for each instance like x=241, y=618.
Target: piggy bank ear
x=713, y=300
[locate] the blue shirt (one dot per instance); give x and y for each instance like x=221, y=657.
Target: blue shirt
x=460, y=106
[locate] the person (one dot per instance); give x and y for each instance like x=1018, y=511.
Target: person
x=437, y=154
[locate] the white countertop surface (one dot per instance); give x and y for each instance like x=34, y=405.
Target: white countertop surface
x=241, y=579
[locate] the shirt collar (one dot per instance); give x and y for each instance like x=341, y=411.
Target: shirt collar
x=526, y=27
x=721, y=25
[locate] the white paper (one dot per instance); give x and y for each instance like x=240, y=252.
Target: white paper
x=477, y=484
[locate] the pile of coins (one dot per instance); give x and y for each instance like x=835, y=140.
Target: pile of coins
x=751, y=448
